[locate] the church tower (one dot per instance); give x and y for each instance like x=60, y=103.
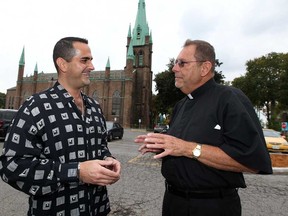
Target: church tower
x=138, y=69
x=18, y=96
x=125, y=95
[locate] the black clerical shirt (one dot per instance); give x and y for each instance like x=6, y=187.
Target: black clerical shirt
x=220, y=116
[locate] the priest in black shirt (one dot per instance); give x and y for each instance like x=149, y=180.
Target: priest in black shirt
x=214, y=136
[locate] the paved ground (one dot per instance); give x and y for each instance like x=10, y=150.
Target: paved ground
x=140, y=190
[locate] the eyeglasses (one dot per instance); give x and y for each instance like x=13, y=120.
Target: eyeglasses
x=182, y=63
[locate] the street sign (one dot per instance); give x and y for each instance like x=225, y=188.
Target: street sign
x=284, y=126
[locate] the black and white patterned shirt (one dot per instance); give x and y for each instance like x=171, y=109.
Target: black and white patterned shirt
x=45, y=143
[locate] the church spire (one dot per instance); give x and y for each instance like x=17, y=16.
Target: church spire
x=130, y=54
x=108, y=63
x=22, y=58
x=129, y=32
x=36, y=68
x=141, y=28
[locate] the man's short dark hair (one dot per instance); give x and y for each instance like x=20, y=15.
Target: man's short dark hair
x=64, y=48
x=204, y=51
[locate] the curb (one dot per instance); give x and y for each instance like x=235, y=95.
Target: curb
x=280, y=170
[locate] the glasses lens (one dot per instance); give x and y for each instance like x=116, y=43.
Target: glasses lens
x=179, y=62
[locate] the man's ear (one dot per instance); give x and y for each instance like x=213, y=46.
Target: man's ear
x=62, y=64
x=206, y=68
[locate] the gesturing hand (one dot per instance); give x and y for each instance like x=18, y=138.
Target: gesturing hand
x=143, y=148
x=163, y=144
x=100, y=172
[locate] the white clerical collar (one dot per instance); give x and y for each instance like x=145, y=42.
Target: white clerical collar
x=190, y=96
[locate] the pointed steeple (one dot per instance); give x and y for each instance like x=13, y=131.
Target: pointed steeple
x=22, y=58
x=36, y=68
x=35, y=78
x=108, y=63
x=141, y=28
x=107, y=70
x=130, y=54
x=129, y=31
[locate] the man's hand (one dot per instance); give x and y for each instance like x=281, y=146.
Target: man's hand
x=100, y=172
x=164, y=145
x=143, y=148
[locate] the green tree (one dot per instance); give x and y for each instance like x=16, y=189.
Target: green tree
x=218, y=76
x=168, y=94
x=283, y=82
x=2, y=100
x=265, y=83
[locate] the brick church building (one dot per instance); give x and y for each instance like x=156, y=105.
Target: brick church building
x=125, y=95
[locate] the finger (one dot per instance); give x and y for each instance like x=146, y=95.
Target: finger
x=109, y=173
x=155, y=146
x=105, y=182
x=154, y=140
x=140, y=138
x=157, y=135
x=142, y=147
x=161, y=155
x=116, y=168
x=105, y=162
x=137, y=140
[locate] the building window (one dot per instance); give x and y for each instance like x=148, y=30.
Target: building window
x=140, y=58
x=138, y=32
x=116, y=103
x=11, y=103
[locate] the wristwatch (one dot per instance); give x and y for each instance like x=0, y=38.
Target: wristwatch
x=197, y=151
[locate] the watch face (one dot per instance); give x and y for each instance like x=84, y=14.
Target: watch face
x=196, y=153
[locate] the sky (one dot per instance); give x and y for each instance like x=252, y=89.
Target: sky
x=238, y=30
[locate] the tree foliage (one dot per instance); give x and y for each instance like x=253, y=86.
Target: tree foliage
x=265, y=83
x=218, y=76
x=168, y=94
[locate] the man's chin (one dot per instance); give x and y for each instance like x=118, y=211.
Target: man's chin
x=86, y=82
x=177, y=85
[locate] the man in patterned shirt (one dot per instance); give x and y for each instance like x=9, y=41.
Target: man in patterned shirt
x=56, y=149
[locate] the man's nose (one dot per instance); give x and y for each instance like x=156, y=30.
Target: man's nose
x=175, y=68
x=91, y=66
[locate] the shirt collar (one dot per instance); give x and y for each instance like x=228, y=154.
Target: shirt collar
x=190, y=96
x=200, y=90
x=66, y=97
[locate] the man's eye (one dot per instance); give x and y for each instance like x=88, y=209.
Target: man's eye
x=84, y=61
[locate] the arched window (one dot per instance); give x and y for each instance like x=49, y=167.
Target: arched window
x=116, y=103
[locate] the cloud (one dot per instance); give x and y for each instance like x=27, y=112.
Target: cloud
x=239, y=31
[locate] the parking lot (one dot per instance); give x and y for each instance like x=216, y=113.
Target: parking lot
x=140, y=190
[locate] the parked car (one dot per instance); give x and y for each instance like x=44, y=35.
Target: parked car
x=114, y=130
x=161, y=128
x=274, y=141
x=6, y=116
